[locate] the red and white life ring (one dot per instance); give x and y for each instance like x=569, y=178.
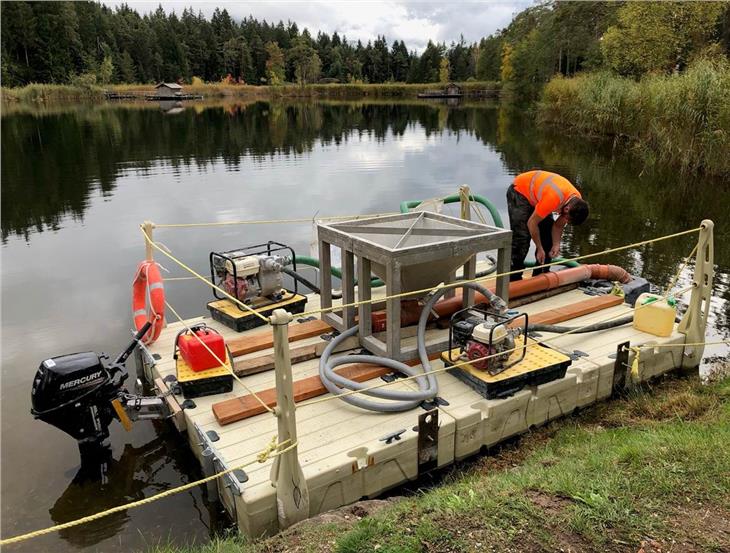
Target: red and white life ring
x=148, y=300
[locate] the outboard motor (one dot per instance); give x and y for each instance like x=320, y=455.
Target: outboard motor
x=81, y=395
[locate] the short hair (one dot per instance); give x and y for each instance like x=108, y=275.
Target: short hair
x=578, y=211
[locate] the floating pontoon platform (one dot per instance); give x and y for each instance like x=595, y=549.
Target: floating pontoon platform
x=347, y=453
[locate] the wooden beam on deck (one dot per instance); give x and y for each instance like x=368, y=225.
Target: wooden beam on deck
x=261, y=363
x=575, y=310
x=265, y=339
x=243, y=407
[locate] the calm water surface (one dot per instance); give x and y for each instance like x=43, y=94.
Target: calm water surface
x=76, y=183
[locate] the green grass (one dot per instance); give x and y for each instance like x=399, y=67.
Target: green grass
x=682, y=120
x=653, y=465
x=49, y=92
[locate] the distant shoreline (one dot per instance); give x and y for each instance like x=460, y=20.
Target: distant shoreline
x=42, y=93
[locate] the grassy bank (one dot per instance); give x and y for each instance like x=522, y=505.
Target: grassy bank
x=651, y=470
x=682, y=120
x=51, y=93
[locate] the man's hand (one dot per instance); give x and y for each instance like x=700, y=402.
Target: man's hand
x=540, y=256
x=555, y=251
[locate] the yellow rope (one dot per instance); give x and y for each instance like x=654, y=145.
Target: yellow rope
x=201, y=277
x=274, y=221
x=493, y=276
x=174, y=279
x=682, y=267
x=220, y=361
x=260, y=458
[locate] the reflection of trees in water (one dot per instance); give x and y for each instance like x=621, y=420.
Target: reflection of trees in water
x=52, y=162
x=103, y=482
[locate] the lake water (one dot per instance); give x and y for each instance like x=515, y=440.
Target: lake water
x=77, y=182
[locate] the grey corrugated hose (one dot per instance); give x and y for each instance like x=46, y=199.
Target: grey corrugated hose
x=396, y=400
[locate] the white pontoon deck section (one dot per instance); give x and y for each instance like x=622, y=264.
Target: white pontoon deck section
x=344, y=451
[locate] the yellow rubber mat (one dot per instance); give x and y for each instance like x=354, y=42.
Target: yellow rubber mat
x=536, y=358
x=235, y=311
x=186, y=374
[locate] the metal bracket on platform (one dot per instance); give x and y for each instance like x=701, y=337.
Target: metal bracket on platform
x=428, y=441
x=151, y=358
x=392, y=377
x=231, y=480
x=173, y=384
x=208, y=456
x=621, y=367
x=212, y=463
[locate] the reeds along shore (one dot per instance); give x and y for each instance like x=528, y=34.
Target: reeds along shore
x=53, y=92
x=682, y=120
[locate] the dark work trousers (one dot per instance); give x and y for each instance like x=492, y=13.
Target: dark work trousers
x=520, y=210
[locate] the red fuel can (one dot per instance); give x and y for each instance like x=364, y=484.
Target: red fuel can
x=196, y=355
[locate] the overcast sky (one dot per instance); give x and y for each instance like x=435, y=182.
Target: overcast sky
x=413, y=22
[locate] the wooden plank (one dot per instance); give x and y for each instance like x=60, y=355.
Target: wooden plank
x=575, y=310
x=236, y=409
x=243, y=407
x=245, y=367
x=532, y=298
x=265, y=339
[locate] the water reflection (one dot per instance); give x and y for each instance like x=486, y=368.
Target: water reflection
x=106, y=481
x=171, y=107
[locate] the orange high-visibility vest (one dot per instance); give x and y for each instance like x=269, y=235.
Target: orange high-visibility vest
x=546, y=191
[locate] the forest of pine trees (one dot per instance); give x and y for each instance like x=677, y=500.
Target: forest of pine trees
x=87, y=43
x=78, y=42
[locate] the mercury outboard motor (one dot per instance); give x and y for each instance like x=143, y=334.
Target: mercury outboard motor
x=81, y=395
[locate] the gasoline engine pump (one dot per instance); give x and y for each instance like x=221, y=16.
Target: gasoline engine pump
x=81, y=394
x=486, y=338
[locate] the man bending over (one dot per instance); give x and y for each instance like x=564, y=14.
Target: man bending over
x=532, y=199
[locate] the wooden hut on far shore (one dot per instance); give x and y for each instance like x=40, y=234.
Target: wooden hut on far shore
x=168, y=90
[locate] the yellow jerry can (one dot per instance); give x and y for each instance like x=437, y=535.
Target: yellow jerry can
x=655, y=315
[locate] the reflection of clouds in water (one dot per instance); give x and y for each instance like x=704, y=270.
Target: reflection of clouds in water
x=413, y=141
